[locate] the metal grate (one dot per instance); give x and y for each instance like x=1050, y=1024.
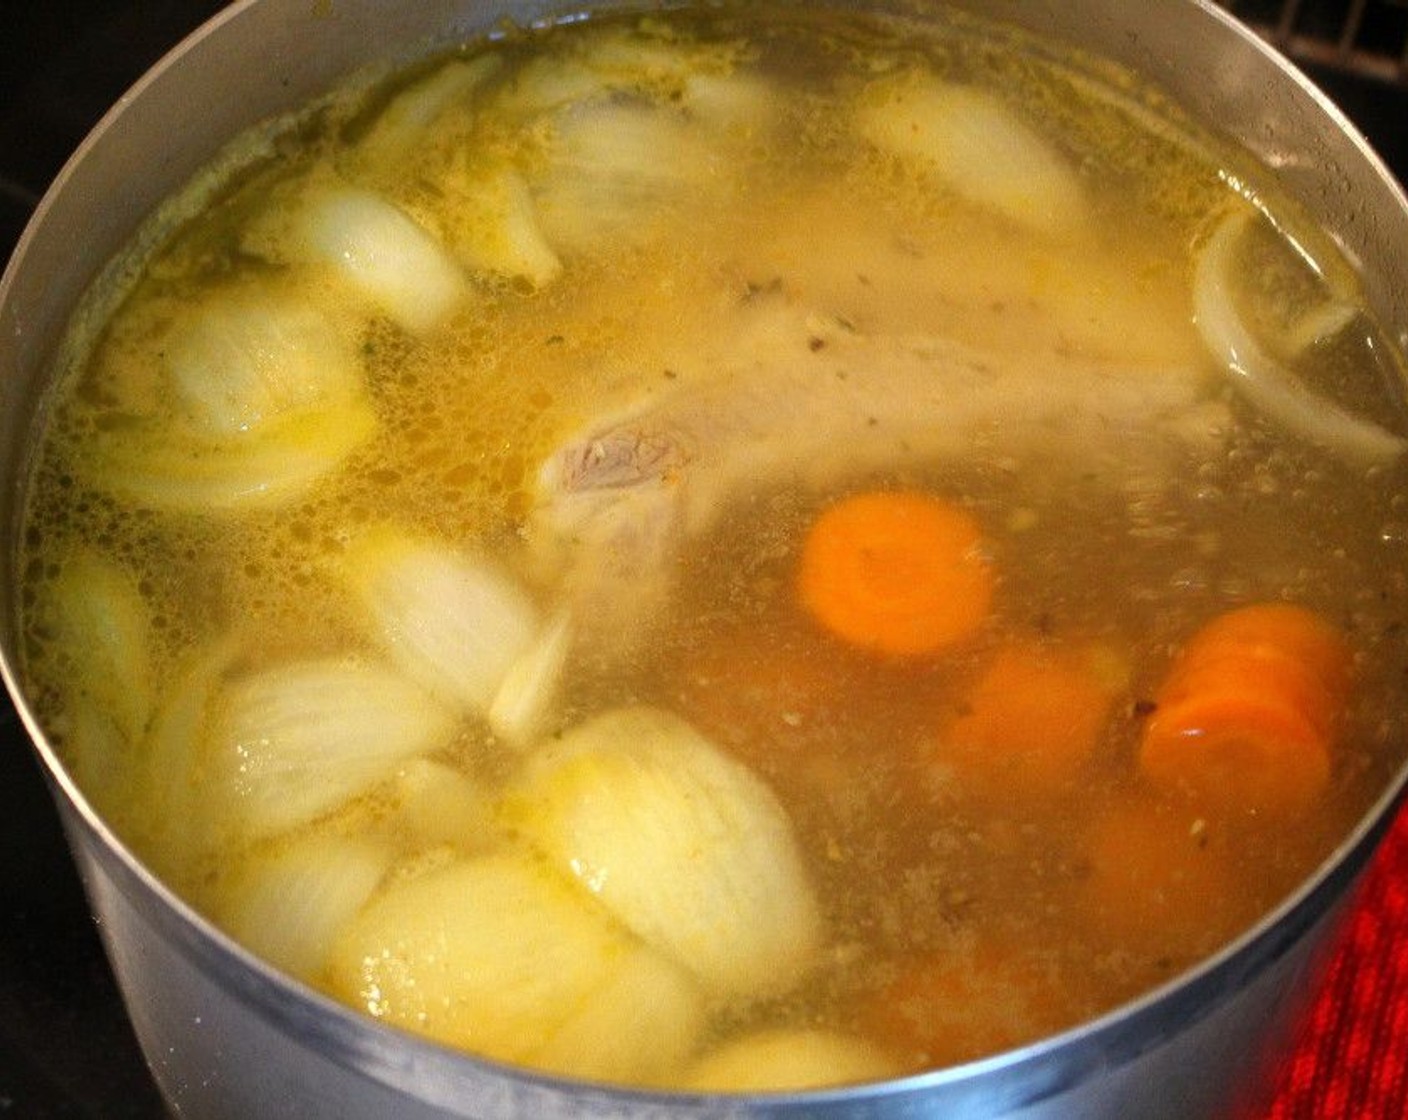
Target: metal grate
x=1366, y=37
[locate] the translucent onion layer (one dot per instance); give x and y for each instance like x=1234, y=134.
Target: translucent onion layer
x=684, y=845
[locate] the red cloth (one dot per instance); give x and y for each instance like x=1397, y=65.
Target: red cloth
x=1351, y=1058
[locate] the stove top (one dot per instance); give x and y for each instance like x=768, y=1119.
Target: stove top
x=66, y=1050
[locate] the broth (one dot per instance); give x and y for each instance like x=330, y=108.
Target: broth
x=420, y=562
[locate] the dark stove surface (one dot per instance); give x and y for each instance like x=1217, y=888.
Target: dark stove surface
x=66, y=1050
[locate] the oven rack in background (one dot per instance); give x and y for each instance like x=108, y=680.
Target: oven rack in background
x=1356, y=51
x=1365, y=38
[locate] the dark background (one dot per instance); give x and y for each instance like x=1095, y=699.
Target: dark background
x=66, y=1050
x=65, y=1047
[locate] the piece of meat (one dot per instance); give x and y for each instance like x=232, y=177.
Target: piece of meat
x=806, y=401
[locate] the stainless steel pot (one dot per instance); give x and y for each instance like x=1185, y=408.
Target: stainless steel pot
x=227, y=1037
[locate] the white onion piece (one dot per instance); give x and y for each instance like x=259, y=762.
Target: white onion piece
x=98, y=754
x=264, y=469
x=497, y=229
x=294, y=741
x=1320, y=324
x=1260, y=378
x=433, y=803
x=975, y=144
x=637, y=1027
x=687, y=847
x=545, y=85
x=633, y=129
x=289, y=905
x=614, y=167
x=402, y=125
x=383, y=254
x=774, y=1060
x=530, y=686
x=499, y=956
x=170, y=808
x=102, y=622
x=454, y=622
x=620, y=65
x=243, y=359
x=626, y=61
x=731, y=103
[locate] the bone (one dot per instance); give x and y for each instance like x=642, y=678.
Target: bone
x=803, y=400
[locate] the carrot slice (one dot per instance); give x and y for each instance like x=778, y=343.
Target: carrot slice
x=1245, y=719
x=1273, y=675
x=767, y=704
x=1237, y=751
x=1030, y=723
x=1159, y=881
x=1280, y=640
x=897, y=573
x=743, y=682
x=966, y=1003
x=1286, y=629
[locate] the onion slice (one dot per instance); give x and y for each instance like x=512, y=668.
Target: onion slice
x=245, y=358
x=176, y=469
x=287, y=906
x=381, y=253
x=103, y=622
x=1260, y=378
x=971, y=141
x=295, y=741
x=790, y=1059
x=684, y=845
x=432, y=803
x=500, y=956
x=530, y=686
x=495, y=227
x=604, y=182
x=454, y=622
x=169, y=812
x=400, y=127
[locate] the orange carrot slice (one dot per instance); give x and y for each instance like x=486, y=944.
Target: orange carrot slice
x=744, y=685
x=1029, y=724
x=1245, y=719
x=1273, y=674
x=1237, y=751
x=770, y=706
x=966, y=1003
x=898, y=573
x=1271, y=629
x=1158, y=881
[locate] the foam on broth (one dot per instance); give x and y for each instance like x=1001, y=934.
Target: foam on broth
x=668, y=240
